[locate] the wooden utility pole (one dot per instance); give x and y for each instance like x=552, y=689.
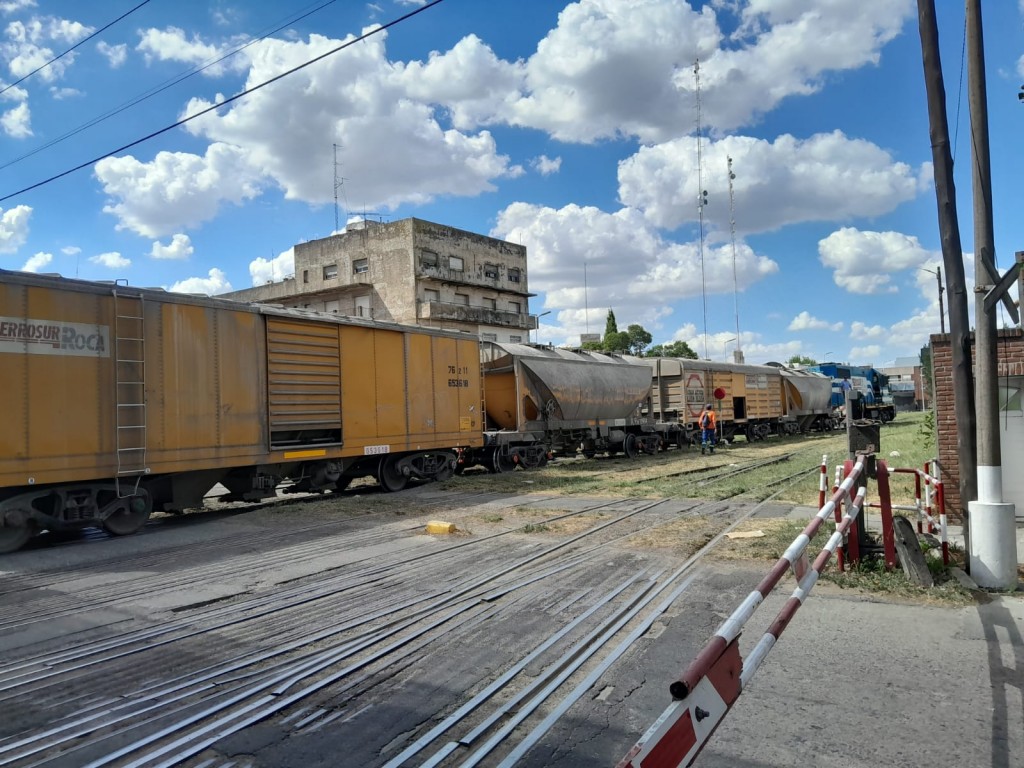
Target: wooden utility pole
x=993, y=541
x=952, y=255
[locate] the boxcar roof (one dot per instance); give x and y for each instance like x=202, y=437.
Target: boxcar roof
x=58, y=282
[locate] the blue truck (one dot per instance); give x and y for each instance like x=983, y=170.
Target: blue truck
x=869, y=390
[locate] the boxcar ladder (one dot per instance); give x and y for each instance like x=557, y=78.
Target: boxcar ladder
x=130, y=389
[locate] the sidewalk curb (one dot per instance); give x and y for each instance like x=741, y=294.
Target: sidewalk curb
x=965, y=581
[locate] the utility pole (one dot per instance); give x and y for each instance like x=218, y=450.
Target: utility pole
x=993, y=541
x=952, y=254
x=702, y=200
x=738, y=352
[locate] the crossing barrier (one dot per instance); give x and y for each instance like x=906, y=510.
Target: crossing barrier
x=929, y=505
x=711, y=683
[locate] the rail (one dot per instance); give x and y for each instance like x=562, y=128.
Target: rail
x=711, y=683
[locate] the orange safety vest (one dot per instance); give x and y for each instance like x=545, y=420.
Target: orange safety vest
x=711, y=418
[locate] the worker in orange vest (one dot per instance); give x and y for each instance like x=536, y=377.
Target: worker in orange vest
x=708, y=422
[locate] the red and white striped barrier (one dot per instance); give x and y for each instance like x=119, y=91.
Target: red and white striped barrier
x=927, y=509
x=712, y=682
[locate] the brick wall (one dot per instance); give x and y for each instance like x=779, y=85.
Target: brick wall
x=1011, y=363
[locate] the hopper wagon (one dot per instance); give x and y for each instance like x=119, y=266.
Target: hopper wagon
x=544, y=401
x=119, y=401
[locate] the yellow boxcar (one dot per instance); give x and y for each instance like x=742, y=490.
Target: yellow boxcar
x=120, y=400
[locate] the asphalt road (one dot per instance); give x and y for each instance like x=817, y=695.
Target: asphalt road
x=295, y=637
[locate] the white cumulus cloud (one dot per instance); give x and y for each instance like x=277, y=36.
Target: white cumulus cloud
x=14, y=228
x=37, y=262
x=274, y=270
x=864, y=261
x=175, y=190
x=17, y=122
x=545, y=165
x=116, y=55
x=216, y=282
x=826, y=177
x=861, y=331
x=805, y=321
x=111, y=260
x=179, y=247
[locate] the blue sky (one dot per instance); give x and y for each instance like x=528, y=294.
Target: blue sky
x=569, y=127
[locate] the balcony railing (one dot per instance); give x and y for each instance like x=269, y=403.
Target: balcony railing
x=441, y=310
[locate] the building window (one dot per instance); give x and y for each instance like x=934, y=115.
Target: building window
x=359, y=266
x=490, y=304
x=462, y=298
x=491, y=271
x=428, y=259
x=330, y=271
x=516, y=339
x=455, y=263
x=513, y=275
x=514, y=306
x=362, y=304
x=429, y=294
x=489, y=336
x=305, y=275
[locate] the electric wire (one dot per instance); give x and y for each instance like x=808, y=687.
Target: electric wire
x=73, y=47
x=224, y=102
x=166, y=84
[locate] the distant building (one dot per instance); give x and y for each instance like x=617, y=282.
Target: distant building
x=413, y=272
x=906, y=384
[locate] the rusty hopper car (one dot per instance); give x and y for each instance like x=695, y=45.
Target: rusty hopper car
x=120, y=400
x=807, y=400
x=542, y=401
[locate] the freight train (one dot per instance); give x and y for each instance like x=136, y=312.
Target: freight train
x=121, y=401
x=543, y=402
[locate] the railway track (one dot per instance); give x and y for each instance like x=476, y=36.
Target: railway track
x=311, y=654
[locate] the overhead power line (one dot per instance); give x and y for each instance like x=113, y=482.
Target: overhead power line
x=170, y=83
x=76, y=45
x=223, y=102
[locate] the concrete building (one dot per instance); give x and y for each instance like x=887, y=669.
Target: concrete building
x=413, y=272
x=1010, y=371
x=906, y=385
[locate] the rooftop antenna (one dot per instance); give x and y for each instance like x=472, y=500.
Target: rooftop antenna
x=338, y=181
x=738, y=352
x=702, y=200
x=586, y=306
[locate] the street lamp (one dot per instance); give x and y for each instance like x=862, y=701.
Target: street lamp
x=537, y=327
x=938, y=276
x=726, y=346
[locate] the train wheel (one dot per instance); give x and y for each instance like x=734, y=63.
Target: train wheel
x=501, y=462
x=444, y=473
x=629, y=447
x=130, y=514
x=389, y=476
x=14, y=537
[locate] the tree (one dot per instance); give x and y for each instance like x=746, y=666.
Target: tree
x=617, y=341
x=639, y=338
x=610, y=326
x=801, y=360
x=675, y=349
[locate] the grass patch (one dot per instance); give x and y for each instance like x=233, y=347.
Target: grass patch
x=869, y=576
x=536, y=528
